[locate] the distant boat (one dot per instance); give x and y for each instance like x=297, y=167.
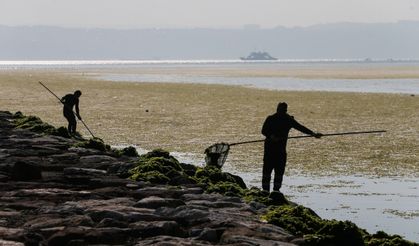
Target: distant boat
x=258, y=56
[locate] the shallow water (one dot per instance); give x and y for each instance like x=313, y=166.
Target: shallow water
x=408, y=86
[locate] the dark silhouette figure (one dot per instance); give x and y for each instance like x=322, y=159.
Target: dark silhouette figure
x=276, y=129
x=69, y=101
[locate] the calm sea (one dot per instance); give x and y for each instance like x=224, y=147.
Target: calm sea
x=107, y=70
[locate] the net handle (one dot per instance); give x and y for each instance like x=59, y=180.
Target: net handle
x=309, y=136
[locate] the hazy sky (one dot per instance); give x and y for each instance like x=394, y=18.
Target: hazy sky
x=202, y=13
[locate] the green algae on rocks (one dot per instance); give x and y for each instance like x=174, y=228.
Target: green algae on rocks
x=93, y=143
x=302, y=221
x=160, y=167
x=35, y=124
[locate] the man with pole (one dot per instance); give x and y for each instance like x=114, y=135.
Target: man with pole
x=276, y=128
x=69, y=101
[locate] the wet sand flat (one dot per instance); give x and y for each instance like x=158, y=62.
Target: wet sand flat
x=188, y=118
x=285, y=70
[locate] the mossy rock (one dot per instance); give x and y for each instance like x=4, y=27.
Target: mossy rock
x=381, y=238
x=257, y=195
x=62, y=132
x=297, y=220
x=127, y=151
x=32, y=123
x=304, y=222
x=152, y=176
x=182, y=179
x=336, y=232
x=130, y=151
x=160, y=163
x=226, y=188
x=157, y=153
x=35, y=124
x=213, y=175
x=189, y=169
x=93, y=143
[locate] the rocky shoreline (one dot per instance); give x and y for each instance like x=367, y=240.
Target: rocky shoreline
x=57, y=190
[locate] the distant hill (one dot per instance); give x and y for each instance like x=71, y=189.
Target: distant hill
x=342, y=40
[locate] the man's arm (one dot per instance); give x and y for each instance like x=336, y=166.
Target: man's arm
x=303, y=129
x=77, y=110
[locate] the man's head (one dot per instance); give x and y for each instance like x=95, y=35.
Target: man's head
x=282, y=108
x=77, y=93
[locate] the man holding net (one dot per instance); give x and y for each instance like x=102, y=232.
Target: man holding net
x=276, y=129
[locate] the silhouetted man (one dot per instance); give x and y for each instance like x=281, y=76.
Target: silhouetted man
x=69, y=101
x=276, y=129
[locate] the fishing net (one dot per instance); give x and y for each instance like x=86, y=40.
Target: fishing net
x=216, y=154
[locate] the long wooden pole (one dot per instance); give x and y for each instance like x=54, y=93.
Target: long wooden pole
x=66, y=106
x=309, y=136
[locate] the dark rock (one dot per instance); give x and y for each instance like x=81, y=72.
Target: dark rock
x=85, y=152
x=97, y=159
x=171, y=241
x=184, y=215
x=137, y=216
x=216, y=204
x=4, y=178
x=113, y=191
x=23, y=171
x=70, y=171
x=245, y=235
x=167, y=192
x=122, y=170
x=278, y=198
x=66, y=158
x=89, y=235
x=108, y=222
x=103, y=214
x=209, y=234
x=156, y=202
x=155, y=228
x=189, y=169
x=33, y=239
x=46, y=150
x=49, y=221
x=77, y=242
x=9, y=214
x=10, y=243
x=181, y=180
x=204, y=196
x=13, y=234
x=257, y=205
x=64, y=209
x=48, y=232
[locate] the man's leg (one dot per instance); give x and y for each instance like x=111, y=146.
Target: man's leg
x=71, y=122
x=74, y=125
x=266, y=175
x=279, y=171
x=69, y=127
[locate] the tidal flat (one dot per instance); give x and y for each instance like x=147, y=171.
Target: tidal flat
x=186, y=118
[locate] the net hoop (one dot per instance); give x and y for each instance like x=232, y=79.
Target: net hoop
x=216, y=154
